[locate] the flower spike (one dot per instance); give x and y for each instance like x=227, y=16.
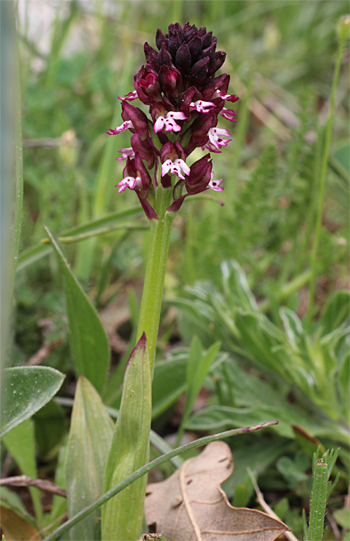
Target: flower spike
x=185, y=98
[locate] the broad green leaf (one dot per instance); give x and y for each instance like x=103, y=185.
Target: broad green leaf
x=26, y=390
x=257, y=456
x=88, y=446
x=94, y=227
x=20, y=443
x=88, y=337
x=129, y=450
x=169, y=383
x=49, y=428
x=342, y=516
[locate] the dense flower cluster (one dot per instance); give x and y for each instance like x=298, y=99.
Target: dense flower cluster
x=185, y=99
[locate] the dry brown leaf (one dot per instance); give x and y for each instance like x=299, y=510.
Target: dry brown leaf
x=15, y=528
x=191, y=506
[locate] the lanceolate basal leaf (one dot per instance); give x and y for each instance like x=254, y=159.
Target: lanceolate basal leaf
x=122, y=515
x=88, y=337
x=26, y=390
x=89, y=441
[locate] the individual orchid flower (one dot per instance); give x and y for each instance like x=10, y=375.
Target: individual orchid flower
x=126, y=152
x=175, y=167
x=202, y=106
x=131, y=96
x=215, y=184
x=126, y=125
x=229, y=114
x=169, y=121
x=224, y=96
x=128, y=182
x=216, y=137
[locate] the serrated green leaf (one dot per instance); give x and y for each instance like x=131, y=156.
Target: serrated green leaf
x=20, y=443
x=129, y=450
x=335, y=311
x=26, y=390
x=88, y=337
x=88, y=446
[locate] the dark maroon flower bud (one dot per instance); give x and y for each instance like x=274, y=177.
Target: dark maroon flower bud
x=143, y=173
x=164, y=57
x=219, y=83
x=186, y=98
x=147, y=85
x=200, y=175
x=166, y=181
x=137, y=117
x=170, y=80
x=195, y=47
x=210, y=51
x=174, y=44
x=171, y=151
x=202, y=31
x=199, y=71
x=201, y=126
x=189, y=31
x=206, y=40
x=160, y=38
x=183, y=58
x=145, y=149
x=217, y=62
x=151, y=56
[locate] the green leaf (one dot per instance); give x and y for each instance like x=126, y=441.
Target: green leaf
x=342, y=516
x=49, y=428
x=318, y=501
x=236, y=288
x=169, y=383
x=94, y=227
x=89, y=442
x=335, y=311
x=20, y=443
x=59, y=504
x=130, y=449
x=88, y=337
x=26, y=390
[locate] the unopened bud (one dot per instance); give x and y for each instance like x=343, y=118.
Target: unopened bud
x=343, y=27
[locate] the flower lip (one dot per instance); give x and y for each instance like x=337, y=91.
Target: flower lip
x=126, y=125
x=175, y=167
x=128, y=182
x=169, y=121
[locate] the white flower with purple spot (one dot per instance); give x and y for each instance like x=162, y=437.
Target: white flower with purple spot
x=202, y=106
x=224, y=96
x=176, y=168
x=216, y=137
x=126, y=153
x=169, y=121
x=127, y=124
x=215, y=184
x=128, y=182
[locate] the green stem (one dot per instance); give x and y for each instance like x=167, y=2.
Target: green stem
x=145, y=469
x=321, y=193
x=155, y=271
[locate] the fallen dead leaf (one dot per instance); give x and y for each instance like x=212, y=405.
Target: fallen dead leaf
x=191, y=506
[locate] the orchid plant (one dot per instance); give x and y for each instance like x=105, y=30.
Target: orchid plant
x=185, y=99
